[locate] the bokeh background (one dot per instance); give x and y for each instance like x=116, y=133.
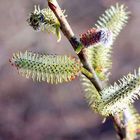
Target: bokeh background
x=39, y=111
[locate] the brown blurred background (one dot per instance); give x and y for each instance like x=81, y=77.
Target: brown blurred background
x=39, y=111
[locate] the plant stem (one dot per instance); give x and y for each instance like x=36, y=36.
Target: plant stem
x=88, y=69
x=120, y=129
x=76, y=44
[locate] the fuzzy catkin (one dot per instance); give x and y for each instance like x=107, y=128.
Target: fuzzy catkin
x=50, y=68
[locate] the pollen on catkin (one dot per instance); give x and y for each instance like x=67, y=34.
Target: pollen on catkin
x=50, y=68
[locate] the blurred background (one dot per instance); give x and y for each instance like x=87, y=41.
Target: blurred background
x=39, y=111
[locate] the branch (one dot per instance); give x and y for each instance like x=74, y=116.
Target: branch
x=120, y=129
x=79, y=48
x=76, y=44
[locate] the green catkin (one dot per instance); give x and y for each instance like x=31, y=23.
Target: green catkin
x=44, y=20
x=50, y=68
x=114, y=19
x=99, y=56
x=92, y=95
x=116, y=98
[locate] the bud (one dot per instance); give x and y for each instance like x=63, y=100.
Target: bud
x=97, y=36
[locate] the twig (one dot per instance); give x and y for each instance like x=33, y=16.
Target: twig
x=76, y=44
x=120, y=129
